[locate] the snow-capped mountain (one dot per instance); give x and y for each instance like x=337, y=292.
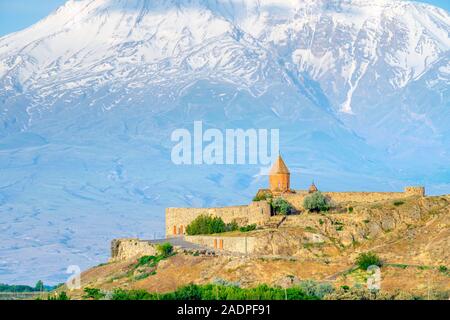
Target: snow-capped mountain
x=90, y=95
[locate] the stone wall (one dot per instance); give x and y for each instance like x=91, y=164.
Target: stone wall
x=243, y=245
x=177, y=219
x=296, y=199
x=415, y=191
x=124, y=249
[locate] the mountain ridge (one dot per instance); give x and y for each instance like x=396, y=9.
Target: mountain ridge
x=87, y=109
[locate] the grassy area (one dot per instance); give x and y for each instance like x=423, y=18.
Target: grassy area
x=308, y=290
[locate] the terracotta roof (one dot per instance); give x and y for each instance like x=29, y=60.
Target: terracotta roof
x=279, y=167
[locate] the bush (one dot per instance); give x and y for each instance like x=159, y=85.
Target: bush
x=316, y=202
x=248, y=228
x=61, y=296
x=365, y=260
x=93, y=293
x=165, y=249
x=398, y=203
x=232, y=226
x=281, y=206
x=150, y=261
x=262, y=197
x=443, y=269
x=205, y=224
x=121, y=294
x=317, y=289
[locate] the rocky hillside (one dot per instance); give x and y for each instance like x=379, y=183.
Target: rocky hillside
x=411, y=236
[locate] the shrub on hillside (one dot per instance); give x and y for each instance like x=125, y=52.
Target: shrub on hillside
x=165, y=249
x=59, y=296
x=365, y=260
x=205, y=224
x=248, y=228
x=93, y=294
x=317, y=289
x=281, y=206
x=316, y=202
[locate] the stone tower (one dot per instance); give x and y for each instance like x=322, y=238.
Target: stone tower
x=279, y=176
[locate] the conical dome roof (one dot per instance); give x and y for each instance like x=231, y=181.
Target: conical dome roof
x=279, y=167
x=313, y=188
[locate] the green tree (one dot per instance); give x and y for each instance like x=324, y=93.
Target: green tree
x=281, y=206
x=205, y=224
x=39, y=286
x=316, y=202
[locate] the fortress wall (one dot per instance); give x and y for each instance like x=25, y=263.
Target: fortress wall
x=177, y=219
x=124, y=249
x=364, y=196
x=296, y=199
x=243, y=245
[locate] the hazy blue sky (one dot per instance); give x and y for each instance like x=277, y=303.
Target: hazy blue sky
x=19, y=14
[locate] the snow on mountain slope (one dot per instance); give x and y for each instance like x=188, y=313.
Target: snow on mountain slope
x=90, y=95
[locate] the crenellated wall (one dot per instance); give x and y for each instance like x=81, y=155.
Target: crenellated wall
x=177, y=219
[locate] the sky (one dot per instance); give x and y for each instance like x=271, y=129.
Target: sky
x=16, y=15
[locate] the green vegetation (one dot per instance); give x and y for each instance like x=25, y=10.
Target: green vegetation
x=365, y=260
x=443, y=269
x=305, y=290
x=232, y=226
x=316, y=202
x=310, y=229
x=39, y=287
x=350, y=209
x=399, y=265
x=165, y=249
x=398, y=203
x=146, y=265
x=93, y=294
x=209, y=225
x=262, y=197
x=149, y=261
x=281, y=207
x=205, y=224
x=60, y=296
x=223, y=292
x=248, y=228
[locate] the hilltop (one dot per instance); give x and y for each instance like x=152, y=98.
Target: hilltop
x=411, y=236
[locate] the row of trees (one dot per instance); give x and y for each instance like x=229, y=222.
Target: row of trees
x=39, y=287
